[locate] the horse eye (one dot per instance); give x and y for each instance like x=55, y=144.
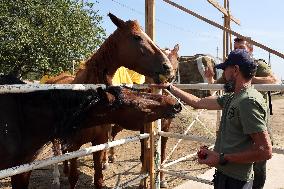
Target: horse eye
x=138, y=37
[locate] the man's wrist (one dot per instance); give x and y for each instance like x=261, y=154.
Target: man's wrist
x=222, y=160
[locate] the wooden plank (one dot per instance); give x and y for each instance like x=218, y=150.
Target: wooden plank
x=155, y=146
x=225, y=33
x=224, y=11
x=225, y=36
x=149, y=18
x=224, y=28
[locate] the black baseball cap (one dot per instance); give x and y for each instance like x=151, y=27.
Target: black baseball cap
x=238, y=57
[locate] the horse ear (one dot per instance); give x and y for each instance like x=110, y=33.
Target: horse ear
x=118, y=22
x=176, y=48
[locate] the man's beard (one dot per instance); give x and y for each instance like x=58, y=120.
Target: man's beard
x=230, y=86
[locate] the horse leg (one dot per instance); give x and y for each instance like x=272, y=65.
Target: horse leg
x=145, y=164
x=66, y=169
x=73, y=173
x=21, y=181
x=142, y=182
x=105, y=163
x=163, y=182
x=105, y=158
x=165, y=125
x=98, y=174
x=56, y=174
x=98, y=158
x=114, y=131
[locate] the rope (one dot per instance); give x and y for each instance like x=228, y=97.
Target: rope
x=188, y=128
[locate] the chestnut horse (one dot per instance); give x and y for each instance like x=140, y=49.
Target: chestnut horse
x=165, y=123
x=130, y=47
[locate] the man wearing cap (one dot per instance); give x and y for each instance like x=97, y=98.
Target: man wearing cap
x=242, y=138
x=263, y=75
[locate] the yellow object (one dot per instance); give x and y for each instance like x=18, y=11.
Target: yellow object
x=44, y=79
x=136, y=77
x=126, y=76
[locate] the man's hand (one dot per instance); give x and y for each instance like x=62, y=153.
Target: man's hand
x=212, y=157
x=209, y=74
x=201, y=154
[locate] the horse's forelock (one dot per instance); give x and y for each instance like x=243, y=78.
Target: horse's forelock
x=134, y=25
x=136, y=28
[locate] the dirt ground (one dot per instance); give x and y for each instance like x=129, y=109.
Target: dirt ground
x=128, y=165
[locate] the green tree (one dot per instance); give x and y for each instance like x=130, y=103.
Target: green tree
x=44, y=36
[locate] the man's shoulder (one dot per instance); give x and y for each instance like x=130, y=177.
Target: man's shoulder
x=263, y=69
x=260, y=61
x=252, y=96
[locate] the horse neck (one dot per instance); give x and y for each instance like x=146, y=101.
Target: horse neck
x=102, y=65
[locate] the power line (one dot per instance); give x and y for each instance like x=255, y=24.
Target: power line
x=128, y=7
x=172, y=26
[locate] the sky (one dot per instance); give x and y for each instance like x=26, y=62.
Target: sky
x=261, y=20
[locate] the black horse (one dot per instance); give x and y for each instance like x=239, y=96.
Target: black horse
x=30, y=120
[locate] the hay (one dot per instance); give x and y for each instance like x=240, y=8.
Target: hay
x=189, y=72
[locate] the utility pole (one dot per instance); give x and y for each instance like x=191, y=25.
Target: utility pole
x=225, y=34
x=269, y=63
x=154, y=127
x=217, y=49
x=227, y=22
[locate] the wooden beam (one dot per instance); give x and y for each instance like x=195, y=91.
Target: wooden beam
x=224, y=11
x=226, y=29
x=226, y=35
x=149, y=18
x=154, y=127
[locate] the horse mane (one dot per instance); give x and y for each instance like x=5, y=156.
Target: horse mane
x=134, y=25
x=99, y=60
x=71, y=108
x=74, y=107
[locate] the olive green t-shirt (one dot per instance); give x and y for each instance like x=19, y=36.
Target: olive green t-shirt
x=243, y=114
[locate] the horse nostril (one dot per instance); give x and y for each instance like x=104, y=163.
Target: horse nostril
x=177, y=107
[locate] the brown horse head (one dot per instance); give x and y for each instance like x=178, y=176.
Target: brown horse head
x=173, y=57
x=142, y=55
x=128, y=46
x=129, y=107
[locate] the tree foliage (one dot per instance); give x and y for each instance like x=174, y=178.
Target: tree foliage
x=45, y=36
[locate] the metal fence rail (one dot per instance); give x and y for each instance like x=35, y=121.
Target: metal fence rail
x=56, y=159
